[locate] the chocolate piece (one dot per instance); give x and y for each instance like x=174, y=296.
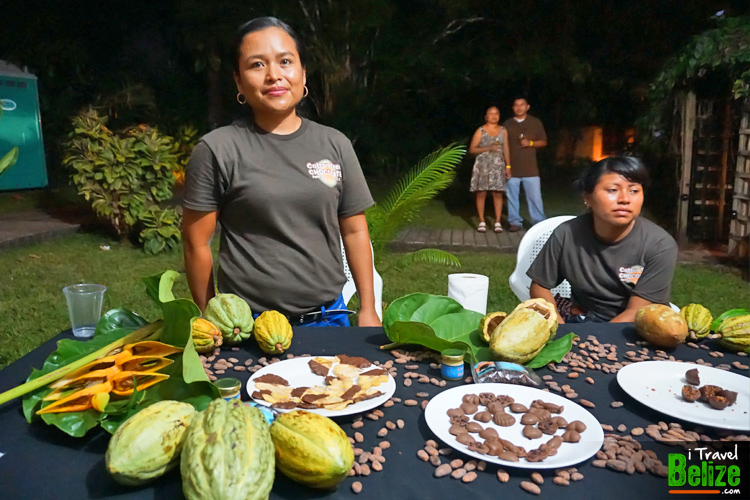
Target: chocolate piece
x=462, y=420
x=542, y=413
x=351, y=392
x=284, y=405
x=270, y=378
x=709, y=390
x=474, y=427
x=357, y=361
x=494, y=446
x=507, y=456
x=488, y=433
x=529, y=419
x=547, y=427
x=259, y=394
x=518, y=408
x=553, y=408
x=486, y=398
x=576, y=425
x=560, y=421
x=730, y=395
x=455, y=412
x=318, y=368
x=718, y=402
x=571, y=436
x=496, y=407
x=690, y=393
x=538, y=403
x=504, y=419
x=465, y=438
x=329, y=379
x=504, y=400
x=365, y=397
x=483, y=416
x=307, y=406
x=478, y=447
x=312, y=398
x=376, y=372
x=469, y=408
x=456, y=429
x=536, y=455
x=692, y=377
x=471, y=399
x=297, y=392
x=553, y=443
x=531, y=432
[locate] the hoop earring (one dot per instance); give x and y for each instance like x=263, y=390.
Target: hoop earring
x=306, y=92
x=241, y=96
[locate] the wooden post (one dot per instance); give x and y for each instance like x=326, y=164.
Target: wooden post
x=687, y=102
x=726, y=137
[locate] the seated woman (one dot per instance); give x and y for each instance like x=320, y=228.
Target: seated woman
x=615, y=261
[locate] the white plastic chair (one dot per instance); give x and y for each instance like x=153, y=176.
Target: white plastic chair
x=350, y=289
x=531, y=244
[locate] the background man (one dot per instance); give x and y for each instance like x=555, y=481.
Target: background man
x=525, y=135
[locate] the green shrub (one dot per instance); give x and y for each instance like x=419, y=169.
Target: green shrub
x=124, y=175
x=161, y=229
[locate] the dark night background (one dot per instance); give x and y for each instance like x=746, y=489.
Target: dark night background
x=399, y=77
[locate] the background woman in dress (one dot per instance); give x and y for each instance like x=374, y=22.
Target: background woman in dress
x=615, y=261
x=284, y=189
x=491, y=167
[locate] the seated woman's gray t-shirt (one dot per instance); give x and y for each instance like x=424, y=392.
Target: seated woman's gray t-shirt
x=603, y=277
x=279, y=198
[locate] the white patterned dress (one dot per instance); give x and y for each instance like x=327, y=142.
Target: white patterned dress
x=489, y=167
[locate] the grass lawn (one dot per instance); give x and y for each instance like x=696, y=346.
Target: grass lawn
x=33, y=308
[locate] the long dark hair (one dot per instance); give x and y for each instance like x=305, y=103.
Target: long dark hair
x=261, y=23
x=627, y=166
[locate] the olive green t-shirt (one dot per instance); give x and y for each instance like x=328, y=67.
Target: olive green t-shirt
x=278, y=198
x=604, y=276
x=523, y=160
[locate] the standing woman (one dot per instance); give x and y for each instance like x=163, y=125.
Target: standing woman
x=284, y=189
x=492, y=166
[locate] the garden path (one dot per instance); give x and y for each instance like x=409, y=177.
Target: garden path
x=34, y=226
x=414, y=238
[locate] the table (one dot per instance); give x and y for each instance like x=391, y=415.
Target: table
x=41, y=462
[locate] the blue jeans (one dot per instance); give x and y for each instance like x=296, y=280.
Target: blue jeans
x=330, y=316
x=533, y=189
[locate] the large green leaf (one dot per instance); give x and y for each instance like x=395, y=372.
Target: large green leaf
x=187, y=379
x=8, y=160
x=433, y=321
x=553, y=351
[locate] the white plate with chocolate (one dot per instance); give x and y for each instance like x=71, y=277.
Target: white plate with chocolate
x=514, y=425
x=710, y=396
x=327, y=385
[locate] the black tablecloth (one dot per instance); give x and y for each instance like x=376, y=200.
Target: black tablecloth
x=41, y=462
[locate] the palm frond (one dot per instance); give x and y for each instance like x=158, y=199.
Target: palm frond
x=428, y=256
x=432, y=167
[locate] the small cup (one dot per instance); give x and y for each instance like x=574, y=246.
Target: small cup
x=84, y=307
x=229, y=388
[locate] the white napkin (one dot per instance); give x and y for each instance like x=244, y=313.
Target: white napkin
x=469, y=290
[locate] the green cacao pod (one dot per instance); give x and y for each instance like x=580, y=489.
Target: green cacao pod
x=520, y=337
x=228, y=454
x=273, y=332
x=698, y=318
x=149, y=443
x=206, y=336
x=488, y=324
x=232, y=315
x=311, y=449
x=735, y=333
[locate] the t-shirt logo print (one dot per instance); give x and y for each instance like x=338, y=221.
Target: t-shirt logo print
x=631, y=274
x=328, y=172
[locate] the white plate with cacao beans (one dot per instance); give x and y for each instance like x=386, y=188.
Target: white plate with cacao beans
x=659, y=385
x=298, y=373
x=514, y=425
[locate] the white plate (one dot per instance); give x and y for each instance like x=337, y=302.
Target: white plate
x=658, y=385
x=297, y=372
x=568, y=454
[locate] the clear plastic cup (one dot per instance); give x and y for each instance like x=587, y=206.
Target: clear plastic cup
x=84, y=307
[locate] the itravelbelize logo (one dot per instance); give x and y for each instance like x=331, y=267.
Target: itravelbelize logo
x=718, y=468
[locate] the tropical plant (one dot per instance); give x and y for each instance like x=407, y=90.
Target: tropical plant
x=725, y=48
x=185, y=140
x=412, y=191
x=124, y=175
x=161, y=229
x=10, y=158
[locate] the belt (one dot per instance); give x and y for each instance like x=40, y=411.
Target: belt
x=311, y=317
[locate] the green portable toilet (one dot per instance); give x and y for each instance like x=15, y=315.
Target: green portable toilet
x=21, y=125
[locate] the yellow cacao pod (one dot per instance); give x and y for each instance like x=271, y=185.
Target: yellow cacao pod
x=206, y=336
x=698, y=318
x=273, y=332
